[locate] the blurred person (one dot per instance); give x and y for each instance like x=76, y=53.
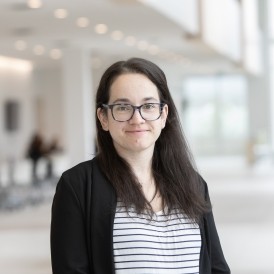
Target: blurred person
x=139, y=206
x=52, y=149
x=35, y=152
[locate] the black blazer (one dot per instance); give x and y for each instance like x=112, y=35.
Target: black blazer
x=83, y=212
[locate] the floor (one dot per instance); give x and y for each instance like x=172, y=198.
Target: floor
x=243, y=201
x=243, y=205
x=24, y=238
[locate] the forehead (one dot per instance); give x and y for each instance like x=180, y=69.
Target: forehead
x=133, y=86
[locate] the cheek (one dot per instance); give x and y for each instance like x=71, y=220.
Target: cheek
x=158, y=128
x=114, y=129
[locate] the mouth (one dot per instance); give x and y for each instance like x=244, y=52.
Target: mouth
x=137, y=131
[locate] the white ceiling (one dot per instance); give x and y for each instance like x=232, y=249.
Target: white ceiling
x=40, y=27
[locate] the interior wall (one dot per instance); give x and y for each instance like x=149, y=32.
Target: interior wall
x=16, y=87
x=47, y=84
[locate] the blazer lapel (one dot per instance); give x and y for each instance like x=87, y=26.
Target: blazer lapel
x=103, y=205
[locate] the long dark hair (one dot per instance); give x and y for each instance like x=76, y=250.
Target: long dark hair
x=176, y=178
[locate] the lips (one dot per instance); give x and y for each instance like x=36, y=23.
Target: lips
x=137, y=131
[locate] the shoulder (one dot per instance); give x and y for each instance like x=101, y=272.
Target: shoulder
x=79, y=176
x=202, y=185
x=205, y=192
x=81, y=170
x=84, y=178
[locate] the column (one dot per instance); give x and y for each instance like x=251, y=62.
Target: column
x=261, y=95
x=78, y=102
x=264, y=22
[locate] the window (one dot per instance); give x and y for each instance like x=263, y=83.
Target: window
x=215, y=114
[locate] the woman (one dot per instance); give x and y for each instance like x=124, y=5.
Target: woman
x=139, y=206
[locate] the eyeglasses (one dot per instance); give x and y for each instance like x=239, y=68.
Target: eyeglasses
x=124, y=112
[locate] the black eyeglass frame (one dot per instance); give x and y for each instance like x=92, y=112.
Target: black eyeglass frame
x=134, y=109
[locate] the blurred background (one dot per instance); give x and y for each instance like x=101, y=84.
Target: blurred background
x=219, y=60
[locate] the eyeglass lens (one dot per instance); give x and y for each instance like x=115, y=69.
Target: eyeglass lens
x=124, y=112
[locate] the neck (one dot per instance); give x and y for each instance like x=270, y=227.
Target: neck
x=141, y=166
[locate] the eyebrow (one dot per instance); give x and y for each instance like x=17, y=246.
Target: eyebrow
x=125, y=100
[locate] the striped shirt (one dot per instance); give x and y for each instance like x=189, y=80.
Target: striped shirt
x=166, y=244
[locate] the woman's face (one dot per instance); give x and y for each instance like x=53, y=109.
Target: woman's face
x=137, y=134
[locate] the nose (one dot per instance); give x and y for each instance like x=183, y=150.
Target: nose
x=136, y=117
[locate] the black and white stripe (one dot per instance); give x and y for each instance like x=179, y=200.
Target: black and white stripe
x=167, y=244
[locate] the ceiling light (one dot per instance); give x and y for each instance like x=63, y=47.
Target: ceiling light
x=15, y=64
x=117, y=35
x=153, y=49
x=173, y=56
x=142, y=45
x=20, y=45
x=166, y=54
x=39, y=50
x=34, y=4
x=181, y=58
x=82, y=22
x=185, y=61
x=130, y=41
x=55, y=54
x=60, y=13
x=101, y=28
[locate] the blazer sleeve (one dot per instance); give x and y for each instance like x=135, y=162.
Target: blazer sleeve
x=215, y=252
x=68, y=239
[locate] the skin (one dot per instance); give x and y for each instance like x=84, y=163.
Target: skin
x=135, y=139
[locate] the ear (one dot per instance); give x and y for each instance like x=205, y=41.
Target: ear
x=164, y=115
x=102, y=116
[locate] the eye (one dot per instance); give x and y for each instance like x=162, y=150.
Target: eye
x=122, y=108
x=150, y=106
